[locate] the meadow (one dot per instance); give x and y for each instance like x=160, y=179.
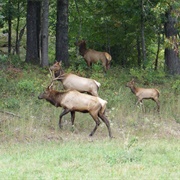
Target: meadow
x=145, y=144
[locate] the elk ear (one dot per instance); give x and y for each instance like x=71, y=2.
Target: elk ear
x=56, y=62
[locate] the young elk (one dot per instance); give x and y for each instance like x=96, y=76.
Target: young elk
x=74, y=82
x=92, y=56
x=72, y=101
x=142, y=93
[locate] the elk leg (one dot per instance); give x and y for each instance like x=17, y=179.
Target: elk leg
x=72, y=117
x=158, y=104
x=88, y=63
x=61, y=115
x=96, y=119
x=141, y=105
x=139, y=101
x=105, y=120
x=104, y=66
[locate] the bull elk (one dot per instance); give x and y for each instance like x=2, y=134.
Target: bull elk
x=144, y=93
x=92, y=56
x=74, y=82
x=72, y=101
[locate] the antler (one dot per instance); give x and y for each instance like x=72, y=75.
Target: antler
x=51, y=73
x=59, y=77
x=51, y=85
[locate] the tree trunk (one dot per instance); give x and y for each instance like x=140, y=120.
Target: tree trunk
x=33, y=28
x=142, y=35
x=9, y=28
x=62, y=32
x=138, y=51
x=158, y=48
x=17, y=30
x=44, y=33
x=172, y=60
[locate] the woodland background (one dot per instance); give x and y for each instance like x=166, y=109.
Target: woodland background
x=139, y=33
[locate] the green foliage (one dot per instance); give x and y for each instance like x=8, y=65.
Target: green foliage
x=176, y=85
x=11, y=103
x=129, y=154
x=11, y=60
x=26, y=85
x=125, y=156
x=3, y=59
x=109, y=32
x=148, y=75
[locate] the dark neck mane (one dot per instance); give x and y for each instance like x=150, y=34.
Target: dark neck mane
x=55, y=98
x=59, y=72
x=82, y=49
x=133, y=89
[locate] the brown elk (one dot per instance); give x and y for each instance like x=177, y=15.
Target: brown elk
x=72, y=101
x=74, y=82
x=144, y=93
x=92, y=56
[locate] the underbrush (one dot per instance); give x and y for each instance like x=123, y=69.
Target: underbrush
x=23, y=116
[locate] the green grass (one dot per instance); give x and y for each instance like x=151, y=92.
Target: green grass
x=93, y=159
x=146, y=144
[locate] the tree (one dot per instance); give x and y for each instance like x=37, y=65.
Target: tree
x=44, y=33
x=33, y=31
x=7, y=12
x=142, y=34
x=62, y=32
x=19, y=14
x=9, y=26
x=13, y=13
x=172, y=60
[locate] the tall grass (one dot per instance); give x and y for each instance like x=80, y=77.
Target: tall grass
x=21, y=87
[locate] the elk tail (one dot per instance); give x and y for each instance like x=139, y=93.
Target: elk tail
x=158, y=92
x=108, y=60
x=97, y=83
x=108, y=57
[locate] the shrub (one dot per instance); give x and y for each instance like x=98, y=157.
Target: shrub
x=11, y=103
x=27, y=86
x=176, y=85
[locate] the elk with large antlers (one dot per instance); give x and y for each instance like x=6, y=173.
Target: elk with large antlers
x=144, y=93
x=72, y=101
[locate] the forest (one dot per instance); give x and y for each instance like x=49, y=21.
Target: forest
x=142, y=34
x=115, y=53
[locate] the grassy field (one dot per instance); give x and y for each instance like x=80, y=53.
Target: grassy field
x=84, y=158
x=145, y=144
